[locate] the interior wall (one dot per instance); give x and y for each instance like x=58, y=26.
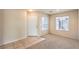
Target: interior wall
x=78, y=24
x=39, y=15
x=15, y=25
x=1, y=26
x=73, y=25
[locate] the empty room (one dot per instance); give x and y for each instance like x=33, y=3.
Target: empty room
x=39, y=28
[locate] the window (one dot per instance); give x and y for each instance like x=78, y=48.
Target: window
x=62, y=23
x=44, y=23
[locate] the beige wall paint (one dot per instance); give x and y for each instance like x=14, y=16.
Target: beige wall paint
x=78, y=24
x=1, y=26
x=15, y=25
x=73, y=19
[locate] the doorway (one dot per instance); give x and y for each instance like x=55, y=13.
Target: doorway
x=32, y=25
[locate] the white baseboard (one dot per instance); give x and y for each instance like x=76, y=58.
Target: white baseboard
x=64, y=36
x=13, y=41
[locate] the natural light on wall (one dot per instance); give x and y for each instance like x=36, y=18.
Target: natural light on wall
x=62, y=23
x=44, y=23
x=30, y=10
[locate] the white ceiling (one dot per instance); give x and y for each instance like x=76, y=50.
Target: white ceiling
x=53, y=11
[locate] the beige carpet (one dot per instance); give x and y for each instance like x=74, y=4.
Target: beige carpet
x=56, y=42
x=22, y=44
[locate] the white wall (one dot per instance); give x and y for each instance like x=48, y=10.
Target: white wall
x=15, y=25
x=33, y=24
x=39, y=15
x=73, y=25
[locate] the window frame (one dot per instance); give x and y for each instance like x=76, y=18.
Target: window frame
x=60, y=20
x=44, y=26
